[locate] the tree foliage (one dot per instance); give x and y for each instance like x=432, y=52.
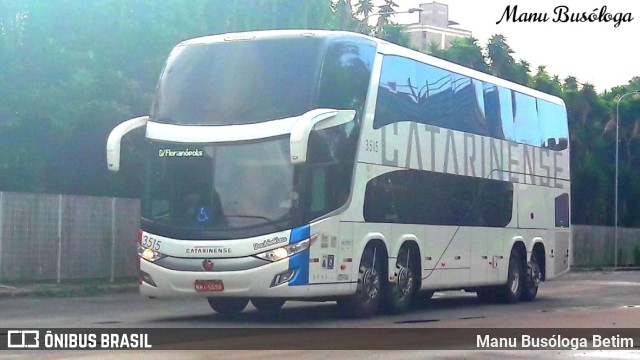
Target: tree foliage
x=71, y=70
x=464, y=51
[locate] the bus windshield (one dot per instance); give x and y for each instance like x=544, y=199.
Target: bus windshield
x=203, y=187
x=238, y=82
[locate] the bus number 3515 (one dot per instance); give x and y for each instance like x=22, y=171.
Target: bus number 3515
x=371, y=145
x=150, y=243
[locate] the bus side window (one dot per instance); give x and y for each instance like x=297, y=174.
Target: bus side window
x=553, y=125
x=398, y=92
x=344, y=81
x=383, y=200
x=493, y=113
x=430, y=198
x=526, y=120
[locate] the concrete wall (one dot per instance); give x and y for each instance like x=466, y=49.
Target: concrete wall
x=593, y=246
x=54, y=237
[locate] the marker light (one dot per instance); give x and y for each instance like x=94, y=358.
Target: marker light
x=147, y=278
x=284, y=251
x=283, y=277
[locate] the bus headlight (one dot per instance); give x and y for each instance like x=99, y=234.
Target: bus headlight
x=149, y=254
x=284, y=251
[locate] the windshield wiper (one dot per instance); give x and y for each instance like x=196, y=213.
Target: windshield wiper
x=266, y=219
x=249, y=217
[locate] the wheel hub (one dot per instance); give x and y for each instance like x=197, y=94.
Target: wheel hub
x=405, y=281
x=535, y=273
x=515, y=281
x=370, y=283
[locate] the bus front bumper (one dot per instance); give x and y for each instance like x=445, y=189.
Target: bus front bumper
x=265, y=281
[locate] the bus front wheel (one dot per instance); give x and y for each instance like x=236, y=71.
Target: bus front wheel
x=369, y=291
x=228, y=306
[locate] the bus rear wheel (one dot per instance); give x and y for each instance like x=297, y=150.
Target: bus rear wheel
x=532, y=280
x=228, y=306
x=268, y=304
x=366, y=300
x=511, y=291
x=403, y=289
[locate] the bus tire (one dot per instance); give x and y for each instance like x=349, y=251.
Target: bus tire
x=268, y=304
x=402, y=291
x=227, y=306
x=531, y=280
x=364, y=303
x=510, y=292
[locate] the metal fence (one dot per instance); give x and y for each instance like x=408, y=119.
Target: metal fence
x=55, y=237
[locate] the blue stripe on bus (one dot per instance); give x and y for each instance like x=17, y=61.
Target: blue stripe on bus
x=300, y=261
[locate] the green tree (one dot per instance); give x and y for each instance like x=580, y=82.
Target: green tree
x=500, y=55
x=386, y=11
x=73, y=70
x=503, y=64
x=627, y=111
x=464, y=51
x=343, y=16
x=570, y=84
x=544, y=82
x=395, y=33
x=364, y=8
x=591, y=155
x=434, y=48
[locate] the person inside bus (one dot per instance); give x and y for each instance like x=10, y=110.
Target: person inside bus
x=204, y=207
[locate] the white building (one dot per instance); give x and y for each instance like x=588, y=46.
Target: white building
x=434, y=26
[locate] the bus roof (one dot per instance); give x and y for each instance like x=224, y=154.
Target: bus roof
x=275, y=34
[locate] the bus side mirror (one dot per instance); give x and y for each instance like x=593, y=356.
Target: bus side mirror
x=115, y=137
x=317, y=119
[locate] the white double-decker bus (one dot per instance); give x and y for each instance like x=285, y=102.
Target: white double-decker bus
x=319, y=165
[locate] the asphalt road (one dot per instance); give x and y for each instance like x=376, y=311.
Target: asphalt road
x=576, y=300
x=589, y=299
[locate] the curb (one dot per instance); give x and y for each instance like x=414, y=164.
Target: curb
x=9, y=291
x=608, y=269
x=65, y=290
x=628, y=268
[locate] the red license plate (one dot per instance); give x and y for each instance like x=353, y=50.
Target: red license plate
x=209, y=285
